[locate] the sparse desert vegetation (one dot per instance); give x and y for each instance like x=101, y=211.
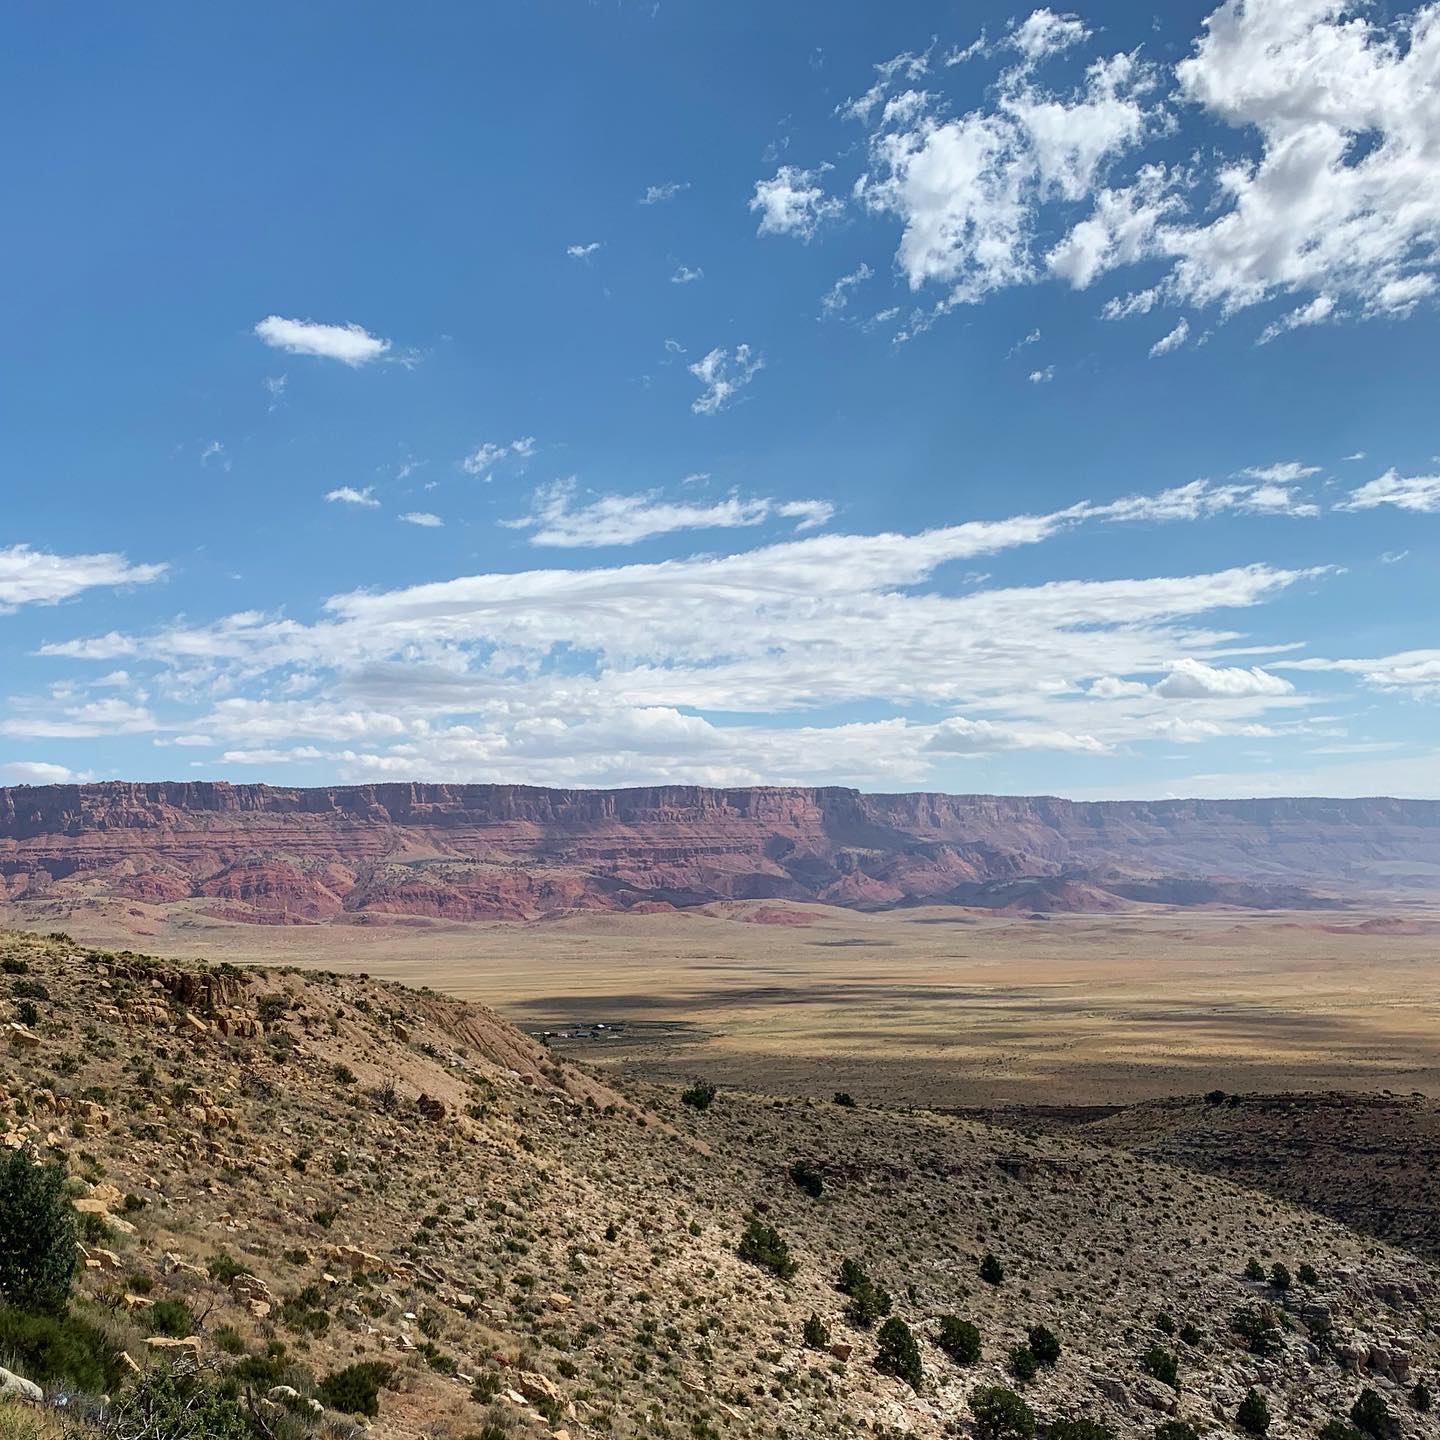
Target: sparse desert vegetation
x=298, y=1202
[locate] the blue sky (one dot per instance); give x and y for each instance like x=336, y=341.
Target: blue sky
x=966, y=398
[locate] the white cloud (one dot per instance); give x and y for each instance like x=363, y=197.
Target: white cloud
x=423, y=518
x=275, y=389
x=1284, y=472
x=965, y=189
x=659, y=194
x=837, y=297
x=623, y=673
x=1201, y=498
x=38, y=577
x=557, y=520
x=348, y=495
x=1046, y=33
x=1192, y=679
x=85, y=720
x=686, y=275
x=960, y=736
x=1420, y=493
x=1171, y=341
x=350, y=344
x=1042, y=377
x=793, y=202
x=37, y=772
x=1311, y=175
x=272, y=757
x=1315, y=312
x=723, y=375
x=583, y=252
x=1414, y=671
x=483, y=458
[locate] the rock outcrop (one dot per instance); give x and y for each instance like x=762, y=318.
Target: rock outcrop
x=274, y=855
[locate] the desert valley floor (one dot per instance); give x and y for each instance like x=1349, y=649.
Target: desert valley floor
x=934, y=1006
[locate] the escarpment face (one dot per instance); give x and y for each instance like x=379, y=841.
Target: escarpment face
x=262, y=853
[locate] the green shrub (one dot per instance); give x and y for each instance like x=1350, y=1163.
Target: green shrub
x=1189, y=1334
x=1257, y=1328
x=37, y=1234
x=1162, y=1365
x=1165, y=1324
x=170, y=1317
x=1339, y=1430
x=817, y=1333
x=1280, y=1276
x=1306, y=1274
x=807, y=1178
x=762, y=1245
x=992, y=1272
x=355, y=1390
x=1420, y=1397
x=1000, y=1414
x=1253, y=1415
x=1370, y=1414
x=1023, y=1364
x=868, y=1301
x=1254, y=1270
x=60, y=1350
x=1044, y=1344
x=845, y=1098
x=699, y=1096
x=1079, y=1430
x=224, y=1267
x=175, y=1406
x=959, y=1339
x=899, y=1355
x=1176, y=1430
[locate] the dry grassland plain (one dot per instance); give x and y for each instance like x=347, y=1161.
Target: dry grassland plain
x=931, y=1007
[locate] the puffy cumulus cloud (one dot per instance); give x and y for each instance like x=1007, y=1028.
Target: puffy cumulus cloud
x=1312, y=176
x=1192, y=679
x=793, y=202
x=1420, y=493
x=965, y=189
x=556, y=519
x=350, y=344
x=38, y=772
x=583, y=252
x=1043, y=33
x=724, y=375
x=39, y=577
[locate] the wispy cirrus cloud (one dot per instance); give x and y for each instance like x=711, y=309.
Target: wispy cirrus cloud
x=556, y=519
x=40, y=577
x=724, y=374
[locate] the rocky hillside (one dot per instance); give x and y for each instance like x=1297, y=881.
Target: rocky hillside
x=321, y=1198
x=262, y=853
x=1369, y=1160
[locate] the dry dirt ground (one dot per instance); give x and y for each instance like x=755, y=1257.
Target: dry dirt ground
x=936, y=1006
x=308, y=1170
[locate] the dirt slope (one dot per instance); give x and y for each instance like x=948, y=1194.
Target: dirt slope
x=405, y=1178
